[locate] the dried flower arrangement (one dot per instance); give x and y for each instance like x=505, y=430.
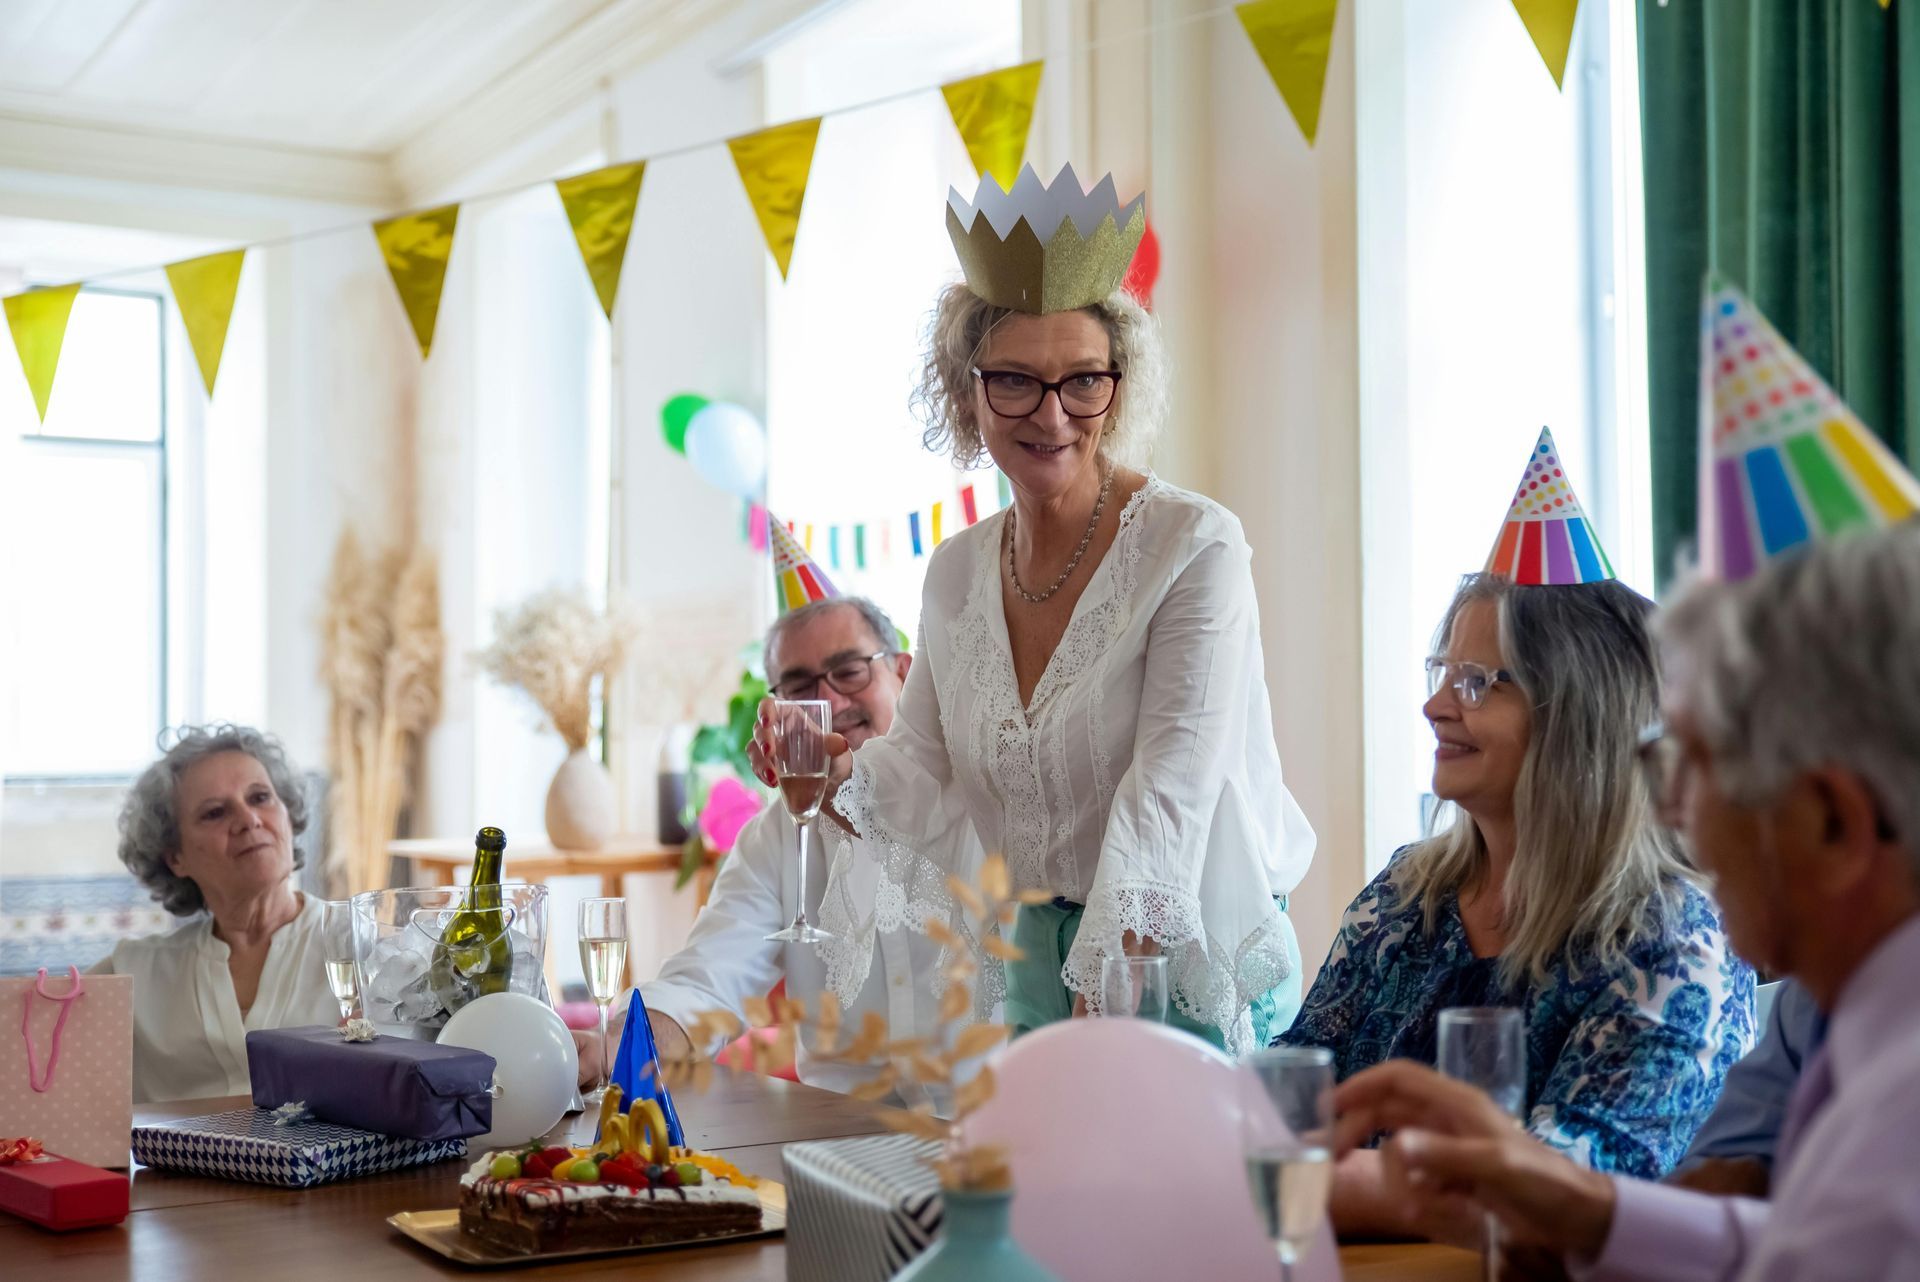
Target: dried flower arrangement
x=381, y=651
x=931, y=1062
x=552, y=646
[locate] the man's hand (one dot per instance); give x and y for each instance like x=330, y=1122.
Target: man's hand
x=668, y=1037
x=1453, y=1144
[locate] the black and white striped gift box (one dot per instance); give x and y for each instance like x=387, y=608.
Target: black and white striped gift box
x=246, y=1145
x=860, y=1209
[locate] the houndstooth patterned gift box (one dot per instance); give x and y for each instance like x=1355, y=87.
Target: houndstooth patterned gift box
x=245, y=1144
x=859, y=1210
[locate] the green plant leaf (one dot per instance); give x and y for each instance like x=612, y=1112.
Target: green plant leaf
x=692, y=855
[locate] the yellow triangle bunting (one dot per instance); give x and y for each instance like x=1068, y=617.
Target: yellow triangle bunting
x=1294, y=39
x=773, y=166
x=38, y=320
x=994, y=113
x=1550, y=23
x=204, y=290
x=417, y=247
x=600, y=209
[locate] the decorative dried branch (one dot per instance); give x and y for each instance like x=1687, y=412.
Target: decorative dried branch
x=552, y=646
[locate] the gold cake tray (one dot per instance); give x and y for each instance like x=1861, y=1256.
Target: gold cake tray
x=439, y=1232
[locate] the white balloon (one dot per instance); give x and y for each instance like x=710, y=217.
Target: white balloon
x=727, y=446
x=536, y=1065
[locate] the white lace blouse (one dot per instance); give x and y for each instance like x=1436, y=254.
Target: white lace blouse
x=1141, y=779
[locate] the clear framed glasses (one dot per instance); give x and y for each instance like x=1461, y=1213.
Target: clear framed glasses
x=1471, y=682
x=850, y=676
x=1015, y=394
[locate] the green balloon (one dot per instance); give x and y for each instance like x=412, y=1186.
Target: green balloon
x=676, y=414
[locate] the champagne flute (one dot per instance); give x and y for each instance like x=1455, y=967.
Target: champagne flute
x=336, y=937
x=1485, y=1046
x=603, y=956
x=1287, y=1139
x=800, y=730
x=1135, y=987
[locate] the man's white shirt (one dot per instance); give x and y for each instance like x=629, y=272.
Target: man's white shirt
x=727, y=958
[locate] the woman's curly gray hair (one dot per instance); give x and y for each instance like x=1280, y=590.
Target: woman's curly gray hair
x=150, y=819
x=961, y=323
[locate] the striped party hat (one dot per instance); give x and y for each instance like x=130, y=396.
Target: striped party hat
x=1782, y=459
x=1547, y=538
x=797, y=580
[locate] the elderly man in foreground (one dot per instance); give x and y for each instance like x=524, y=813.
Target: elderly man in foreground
x=1791, y=755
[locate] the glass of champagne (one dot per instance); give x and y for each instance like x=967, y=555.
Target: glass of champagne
x=336, y=934
x=1134, y=987
x=1287, y=1138
x=1486, y=1046
x=800, y=730
x=603, y=956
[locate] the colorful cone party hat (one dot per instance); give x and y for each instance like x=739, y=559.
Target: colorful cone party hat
x=1547, y=538
x=797, y=580
x=1782, y=459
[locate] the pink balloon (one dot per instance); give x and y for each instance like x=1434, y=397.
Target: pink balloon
x=1126, y=1149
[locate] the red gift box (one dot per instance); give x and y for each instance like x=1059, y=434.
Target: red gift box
x=59, y=1194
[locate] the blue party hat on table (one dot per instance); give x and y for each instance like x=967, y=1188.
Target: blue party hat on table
x=637, y=1070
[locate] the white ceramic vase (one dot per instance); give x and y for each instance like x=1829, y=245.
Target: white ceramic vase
x=580, y=804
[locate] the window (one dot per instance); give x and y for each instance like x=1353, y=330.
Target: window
x=84, y=516
x=845, y=328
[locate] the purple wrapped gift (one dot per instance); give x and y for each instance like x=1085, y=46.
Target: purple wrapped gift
x=389, y=1085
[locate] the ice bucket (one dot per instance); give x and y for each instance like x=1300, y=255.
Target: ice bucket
x=410, y=982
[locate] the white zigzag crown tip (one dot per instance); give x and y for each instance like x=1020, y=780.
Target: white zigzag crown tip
x=1044, y=205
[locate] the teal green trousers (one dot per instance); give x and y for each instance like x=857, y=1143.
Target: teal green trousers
x=1036, y=995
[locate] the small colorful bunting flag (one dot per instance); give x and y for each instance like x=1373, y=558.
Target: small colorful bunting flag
x=967, y=509
x=1294, y=39
x=774, y=165
x=38, y=320
x=1550, y=24
x=204, y=290
x=913, y=531
x=1782, y=458
x=994, y=114
x=1547, y=538
x=797, y=581
x=600, y=207
x=417, y=247
x=937, y=537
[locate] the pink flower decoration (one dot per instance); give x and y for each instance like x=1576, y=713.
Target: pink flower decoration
x=730, y=804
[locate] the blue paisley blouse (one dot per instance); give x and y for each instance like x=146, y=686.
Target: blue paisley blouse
x=1623, y=1064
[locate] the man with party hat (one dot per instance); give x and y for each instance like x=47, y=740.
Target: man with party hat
x=846, y=651
x=1547, y=538
x=1783, y=460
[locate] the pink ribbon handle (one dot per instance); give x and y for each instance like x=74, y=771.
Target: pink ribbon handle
x=42, y=1084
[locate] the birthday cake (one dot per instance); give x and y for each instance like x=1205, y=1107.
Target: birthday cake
x=629, y=1188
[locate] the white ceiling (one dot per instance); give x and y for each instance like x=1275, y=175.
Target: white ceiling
x=331, y=75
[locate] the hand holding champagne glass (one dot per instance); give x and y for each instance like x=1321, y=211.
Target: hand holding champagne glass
x=1287, y=1138
x=798, y=735
x=1485, y=1046
x=603, y=956
x=343, y=975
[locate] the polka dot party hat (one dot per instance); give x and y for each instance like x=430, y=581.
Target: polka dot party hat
x=1547, y=538
x=1782, y=458
x=797, y=580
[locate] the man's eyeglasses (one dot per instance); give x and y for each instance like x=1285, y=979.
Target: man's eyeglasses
x=850, y=676
x=1471, y=682
x=1016, y=395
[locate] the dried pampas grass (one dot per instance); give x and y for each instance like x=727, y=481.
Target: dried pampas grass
x=552, y=646
x=381, y=654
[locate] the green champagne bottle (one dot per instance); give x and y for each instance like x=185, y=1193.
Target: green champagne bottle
x=475, y=953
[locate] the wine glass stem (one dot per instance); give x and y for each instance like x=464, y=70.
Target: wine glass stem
x=1492, y=1234
x=606, y=1066
x=804, y=829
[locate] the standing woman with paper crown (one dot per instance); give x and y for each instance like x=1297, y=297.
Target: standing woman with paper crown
x=1090, y=697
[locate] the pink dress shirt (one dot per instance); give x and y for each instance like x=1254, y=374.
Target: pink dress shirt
x=1846, y=1196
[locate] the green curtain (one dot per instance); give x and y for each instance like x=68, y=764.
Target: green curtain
x=1782, y=149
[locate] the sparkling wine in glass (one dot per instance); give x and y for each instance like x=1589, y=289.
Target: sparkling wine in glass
x=1486, y=1046
x=1286, y=1140
x=1134, y=987
x=336, y=934
x=603, y=956
x=800, y=730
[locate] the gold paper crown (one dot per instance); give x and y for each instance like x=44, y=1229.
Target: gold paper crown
x=1089, y=246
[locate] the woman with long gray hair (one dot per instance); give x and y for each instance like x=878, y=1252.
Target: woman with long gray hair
x=1554, y=890
x=209, y=829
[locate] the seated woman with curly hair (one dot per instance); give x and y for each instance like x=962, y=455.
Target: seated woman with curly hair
x=209, y=829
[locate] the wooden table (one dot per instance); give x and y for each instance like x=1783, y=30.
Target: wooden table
x=188, y=1227
x=439, y=861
